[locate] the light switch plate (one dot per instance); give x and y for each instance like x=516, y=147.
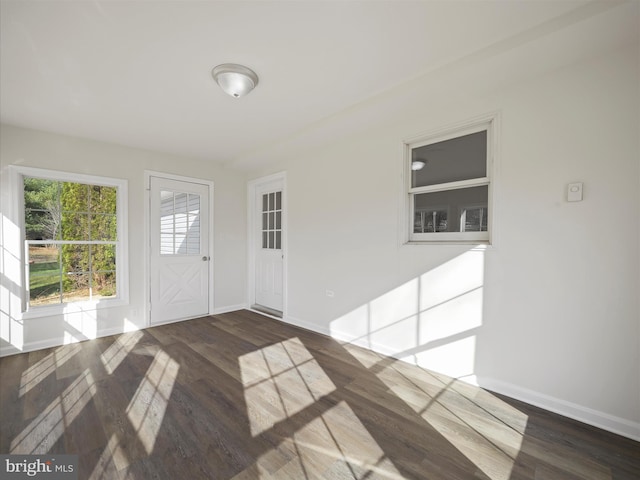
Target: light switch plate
x=574, y=192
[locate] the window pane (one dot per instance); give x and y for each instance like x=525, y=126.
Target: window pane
x=42, y=208
x=272, y=240
x=103, y=227
x=265, y=223
x=193, y=245
x=166, y=244
x=74, y=197
x=193, y=204
x=103, y=199
x=180, y=244
x=278, y=200
x=193, y=235
x=166, y=202
x=41, y=224
x=44, y=275
x=474, y=219
x=461, y=158
x=180, y=203
x=180, y=223
x=103, y=285
x=75, y=287
x=278, y=220
x=103, y=258
x=75, y=226
x=278, y=240
x=166, y=223
x=265, y=203
x=264, y=240
x=75, y=258
x=445, y=211
x=272, y=202
x=272, y=221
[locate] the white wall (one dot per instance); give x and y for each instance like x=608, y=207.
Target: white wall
x=549, y=313
x=32, y=148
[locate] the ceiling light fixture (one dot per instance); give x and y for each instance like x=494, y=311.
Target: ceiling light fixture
x=417, y=165
x=235, y=80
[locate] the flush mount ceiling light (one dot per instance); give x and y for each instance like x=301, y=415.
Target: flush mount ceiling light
x=417, y=165
x=235, y=80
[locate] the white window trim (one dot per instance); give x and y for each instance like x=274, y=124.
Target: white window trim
x=488, y=122
x=122, y=246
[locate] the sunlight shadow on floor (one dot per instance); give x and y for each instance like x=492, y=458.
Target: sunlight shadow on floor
x=45, y=367
x=284, y=379
x=333, y=445
x=50, y=424
x=486, y=430
x=147, y=407
x=118, y=350
x=281, y=379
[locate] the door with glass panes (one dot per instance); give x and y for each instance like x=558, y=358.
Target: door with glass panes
x=269, y=247
x=180, y=260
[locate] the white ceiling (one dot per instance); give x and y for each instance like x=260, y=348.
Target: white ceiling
x=138, y=73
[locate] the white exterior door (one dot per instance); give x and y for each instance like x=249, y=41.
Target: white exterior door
x=180, y=257
x=269, y=229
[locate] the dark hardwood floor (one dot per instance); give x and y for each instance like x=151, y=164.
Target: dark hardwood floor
x=242, y=396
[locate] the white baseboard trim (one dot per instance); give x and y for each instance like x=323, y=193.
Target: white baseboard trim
x=605, y=421
x=365, y=343
x=10, y=350
x=54, y=342
x=230, y=308
x=306, y=325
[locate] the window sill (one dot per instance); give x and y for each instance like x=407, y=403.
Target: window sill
x=470, y=244
x=71, y=308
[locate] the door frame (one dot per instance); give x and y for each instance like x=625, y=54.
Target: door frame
x=147, y=239
x=252, y=218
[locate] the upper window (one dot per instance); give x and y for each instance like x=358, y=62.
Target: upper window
x=73, y=234
x=272, y=221
x=449, y=186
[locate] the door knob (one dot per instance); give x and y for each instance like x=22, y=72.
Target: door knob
x=206, y=258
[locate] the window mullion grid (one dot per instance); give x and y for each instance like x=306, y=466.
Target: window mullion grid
x=440, y=187
x=56, y=238
x=476, y=182
x=173, y=223
x=269, y=246
x=89, y=262
x=61, y=274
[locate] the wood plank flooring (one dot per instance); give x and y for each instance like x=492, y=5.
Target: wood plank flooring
x=242, y=396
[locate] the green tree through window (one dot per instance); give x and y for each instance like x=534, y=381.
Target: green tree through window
x=71, y=232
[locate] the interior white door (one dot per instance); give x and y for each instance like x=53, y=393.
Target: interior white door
x=180, y=257
x=269, y=247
